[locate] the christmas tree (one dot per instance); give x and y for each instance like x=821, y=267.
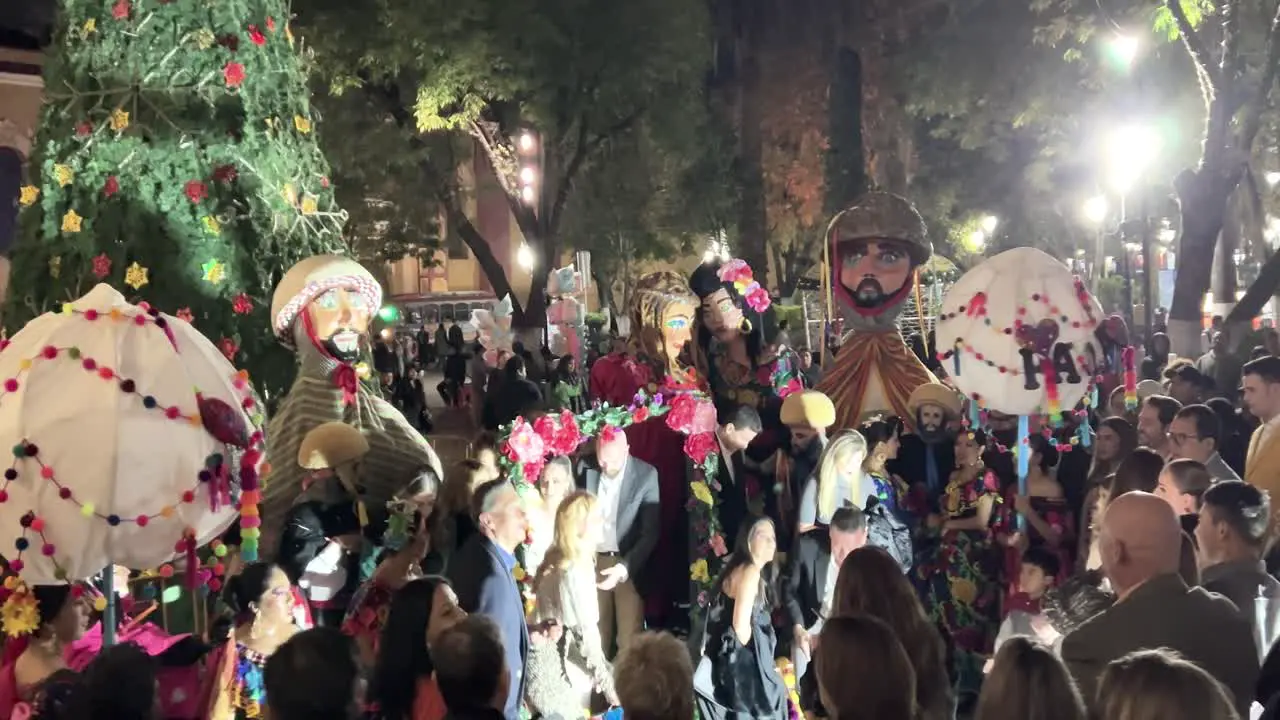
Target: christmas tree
x=177, y=161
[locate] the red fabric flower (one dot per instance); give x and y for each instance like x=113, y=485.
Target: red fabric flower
x=700, y=447
x=184, y=314
x=229, y=348
x=256, y=36
x=102, y=266
x=225, y=174
x=233, y=74
x=242, y=304
x=546, y=429
x=120, y=10
x=324, y=181
x=271, y=24
x=683, y=408
x=196, y=191
x=640, y=415
x=84, y=129
x=568, y=437
x=111, y=186
x=608, y=434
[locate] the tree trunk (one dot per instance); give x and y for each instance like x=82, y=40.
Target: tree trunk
x=752, y=218
x=845, y=163
x=1202, y=204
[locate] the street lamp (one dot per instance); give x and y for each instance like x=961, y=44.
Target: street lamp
x=1130, y=152
x=989, y=224
x=1095, y=209
x=1273, y=177
x=977, y=241
x=527, y=143
x=524, y=257
x=1125, y=49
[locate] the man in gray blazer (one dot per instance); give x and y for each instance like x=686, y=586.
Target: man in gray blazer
x=1140, y=542
x=627, y=491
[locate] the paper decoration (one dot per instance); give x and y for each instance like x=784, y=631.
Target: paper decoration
x=1016, y=334
x=493, y=329
x=111, y=462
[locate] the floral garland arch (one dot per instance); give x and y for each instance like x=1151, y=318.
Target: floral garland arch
x=690, y=412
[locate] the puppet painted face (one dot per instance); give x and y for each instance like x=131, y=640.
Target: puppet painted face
x=873, y=272
x=722, y=315
x=677, y=328
x=340, y=318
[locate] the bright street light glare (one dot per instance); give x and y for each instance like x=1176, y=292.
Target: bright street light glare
x=524, y=257
x=526, y=142
x=989, y=224
x=708, y=256
x=528, y=175
x=977, y=241
x=1130, y=153
x=1273, y=177
x=1125, y=48
x=1167, y=235
x=528, y=194
x=1095, y=209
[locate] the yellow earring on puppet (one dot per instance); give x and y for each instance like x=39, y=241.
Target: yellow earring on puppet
x=746, y=326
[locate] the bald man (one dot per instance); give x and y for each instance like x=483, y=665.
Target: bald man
x=1140, y=542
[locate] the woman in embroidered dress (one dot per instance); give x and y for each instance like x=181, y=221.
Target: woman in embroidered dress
x=403, y=685
x=957, y=572
x=563, y=675
x=839, y=481
x=1049, y=522
x=736, y=675
x=40, y=621
x=1114, y=439
x=398, y=565
x=261, y=599
x=554, y=486
x=883, y=436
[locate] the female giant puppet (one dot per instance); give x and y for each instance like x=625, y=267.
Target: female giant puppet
x=321, y=310
x=875, y=247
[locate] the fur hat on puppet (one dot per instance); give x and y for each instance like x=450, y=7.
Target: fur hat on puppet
x=808, y=408
x=934, y=394
x=331, y=445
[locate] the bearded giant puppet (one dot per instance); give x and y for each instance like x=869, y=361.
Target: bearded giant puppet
x=322, y=310
x=875, y=247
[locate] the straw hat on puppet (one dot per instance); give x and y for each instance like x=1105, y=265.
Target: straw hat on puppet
x=311, y=278
x=331, y=445
x=808, y=408
x=934, y=394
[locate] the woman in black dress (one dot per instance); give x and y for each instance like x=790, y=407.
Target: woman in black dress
x=736, y=676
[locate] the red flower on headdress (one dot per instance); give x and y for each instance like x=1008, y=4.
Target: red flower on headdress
x=699, y=447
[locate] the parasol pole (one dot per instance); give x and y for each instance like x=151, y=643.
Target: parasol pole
x=109, y=613
x=1024, y=462
x=826, y=295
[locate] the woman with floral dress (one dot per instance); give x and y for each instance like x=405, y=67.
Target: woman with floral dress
x=1048, y=517
x=958, y=567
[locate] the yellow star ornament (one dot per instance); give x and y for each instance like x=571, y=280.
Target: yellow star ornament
x=214, y=272
x=119, y=119
x=28, y=195
x=136, y=276
x=71, y=222
x=309, y=206
x=64, y=174
x=302, y=124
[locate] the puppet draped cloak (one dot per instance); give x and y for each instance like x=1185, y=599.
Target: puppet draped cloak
x=874, y=372
x=397, y=451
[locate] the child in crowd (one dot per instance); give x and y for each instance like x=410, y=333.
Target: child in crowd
x=1039, y=566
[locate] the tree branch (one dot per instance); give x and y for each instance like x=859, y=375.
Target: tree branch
x=1252, y=120
x=1195, y=47
x=584, y=146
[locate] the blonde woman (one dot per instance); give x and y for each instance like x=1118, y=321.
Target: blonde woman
x=838, y=481
x=562, y=675
x=1160, y=685
x=554, y=485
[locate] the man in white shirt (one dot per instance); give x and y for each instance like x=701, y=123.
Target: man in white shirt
x=626, y=491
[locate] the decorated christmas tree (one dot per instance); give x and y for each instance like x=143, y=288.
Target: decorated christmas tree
x=176, y=160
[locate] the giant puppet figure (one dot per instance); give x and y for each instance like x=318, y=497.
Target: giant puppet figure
x=875, y=247
x=321, y=310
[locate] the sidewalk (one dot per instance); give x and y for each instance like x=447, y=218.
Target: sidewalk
x=453, y=430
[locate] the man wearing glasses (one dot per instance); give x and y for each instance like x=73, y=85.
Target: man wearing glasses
x=1194, y=434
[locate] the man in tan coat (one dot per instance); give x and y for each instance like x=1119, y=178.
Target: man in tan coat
x=1262, y=400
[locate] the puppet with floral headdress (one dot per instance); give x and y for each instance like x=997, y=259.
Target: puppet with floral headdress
x=875, y=247
x=730, y=349
x=321, y=310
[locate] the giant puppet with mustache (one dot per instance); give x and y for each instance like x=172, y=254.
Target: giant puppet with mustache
x=875, y=247
x=322, y=309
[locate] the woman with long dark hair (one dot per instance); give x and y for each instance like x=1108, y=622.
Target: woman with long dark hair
x=1049, y=522
x=1114, y=439
x=260, y=600
x=56, y=617
x=402, y=687
x=736, y=676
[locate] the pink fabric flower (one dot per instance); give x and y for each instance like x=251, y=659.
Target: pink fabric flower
x=757, y=297
x=734, y=270
x=524, y=445
x=718, y=546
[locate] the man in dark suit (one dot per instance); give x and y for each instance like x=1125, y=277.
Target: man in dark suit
x=626, y=489
x=482, y=576
x=1140, y=541
x=811, y=576
x=738, y=427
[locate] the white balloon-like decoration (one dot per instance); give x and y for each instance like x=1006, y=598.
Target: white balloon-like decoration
x=1017, y=334
x=493, y=332
x=130, y=434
